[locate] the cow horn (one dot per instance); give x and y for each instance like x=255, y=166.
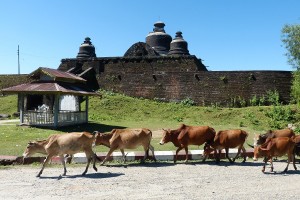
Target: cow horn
x=250, y=145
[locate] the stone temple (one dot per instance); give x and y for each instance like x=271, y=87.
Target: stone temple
x=162, y=68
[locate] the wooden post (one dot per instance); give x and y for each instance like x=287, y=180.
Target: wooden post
x=21, y=106
x=56, y=110
x=86, y=109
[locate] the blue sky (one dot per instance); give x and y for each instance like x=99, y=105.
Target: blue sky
x=226, y=34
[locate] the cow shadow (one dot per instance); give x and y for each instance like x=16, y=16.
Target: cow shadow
x=226, y=163
x=282, y=173
x=90, y=175
x=141, y=164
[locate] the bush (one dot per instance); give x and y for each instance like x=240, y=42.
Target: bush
x=280, y=116
x=188, y=102
x=273, y=97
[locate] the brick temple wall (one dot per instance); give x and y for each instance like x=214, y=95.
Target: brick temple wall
x=176, y=79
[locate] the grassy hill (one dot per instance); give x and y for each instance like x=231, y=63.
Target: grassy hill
x=115, y=110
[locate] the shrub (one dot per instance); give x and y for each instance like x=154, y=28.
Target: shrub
x=280, y=116
x=188, y=102
x=273, y=97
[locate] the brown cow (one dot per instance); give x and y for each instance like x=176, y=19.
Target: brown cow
x=225, y=140
x=125, y=139
x=188, y=135
x=261, y=138
x=60, y=144
x=297, y=145
x=276, y=147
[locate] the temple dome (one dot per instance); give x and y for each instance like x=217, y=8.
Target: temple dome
x=159, y=40
x=140, y=49
x=178, y=45
x=86, y=49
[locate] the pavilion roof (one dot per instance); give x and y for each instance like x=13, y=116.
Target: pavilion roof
x=50, y=88
x=43, y=73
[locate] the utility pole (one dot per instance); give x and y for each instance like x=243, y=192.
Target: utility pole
x=18, y=60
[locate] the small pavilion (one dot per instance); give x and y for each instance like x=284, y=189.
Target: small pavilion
x=52, y=99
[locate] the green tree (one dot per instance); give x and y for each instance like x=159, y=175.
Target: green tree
x=295, y=92
x=291, y=40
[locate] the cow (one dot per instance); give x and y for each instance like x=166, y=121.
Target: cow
x=224, y=140
x=297, y=145
x=125, y=139
x=188, y=135
x=276, y=147
x=61, y=144
x=261, y=138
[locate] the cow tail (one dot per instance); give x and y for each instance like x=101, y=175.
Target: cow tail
x=150, y=132
x=212, y=140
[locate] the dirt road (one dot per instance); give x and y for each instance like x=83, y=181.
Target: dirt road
x=152, y=181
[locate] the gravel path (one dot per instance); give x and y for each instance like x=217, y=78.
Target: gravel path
x=162, y=180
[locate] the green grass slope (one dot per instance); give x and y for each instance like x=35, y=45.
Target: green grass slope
x=119, y=111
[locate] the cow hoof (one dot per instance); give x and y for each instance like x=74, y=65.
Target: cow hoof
x=95, y=168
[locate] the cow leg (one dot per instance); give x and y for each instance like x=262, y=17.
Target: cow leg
x=123, y=155
x=108, y=154
x=265, y=162
x=95, y=157
x=179, y=148
x=244, y=154
x=90, y=155
x=146, y=155
x=186, y=154
x=152, y=150
x=294, y=160
x=271, y=162
x=236, y=156
x=226, y=153
x=87, y=165
x=217, y=154
x=291, y=157
x=62, y=159
x=48, y=158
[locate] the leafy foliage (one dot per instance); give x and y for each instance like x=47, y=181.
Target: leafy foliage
x=291, y=40
x=295, y=90
x=280, y=115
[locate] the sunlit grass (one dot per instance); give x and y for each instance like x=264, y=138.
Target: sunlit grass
x=119, y=111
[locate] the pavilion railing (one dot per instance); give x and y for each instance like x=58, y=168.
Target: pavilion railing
x=46, y=118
